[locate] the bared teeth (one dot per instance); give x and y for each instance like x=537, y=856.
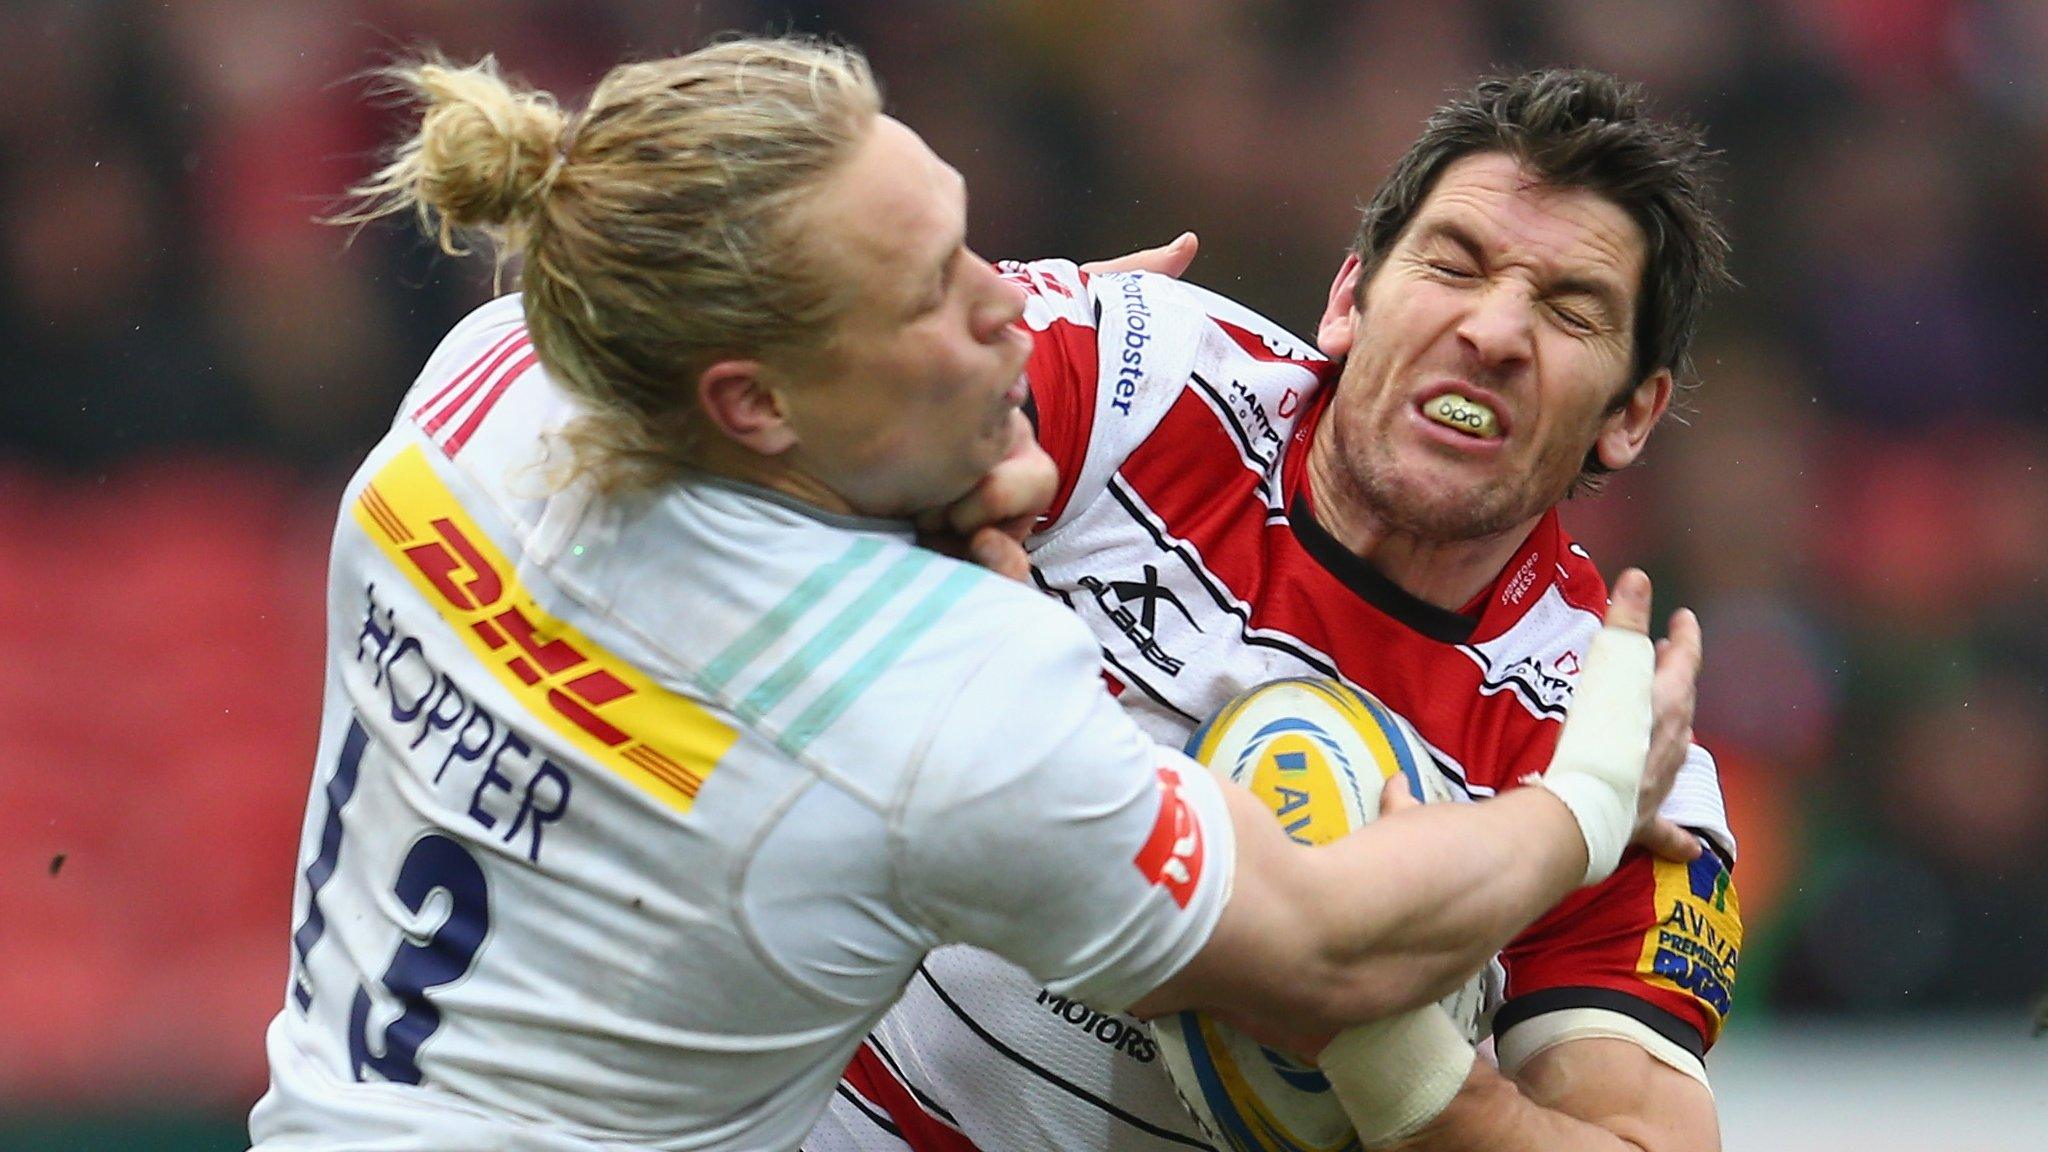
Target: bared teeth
x=1464, y=414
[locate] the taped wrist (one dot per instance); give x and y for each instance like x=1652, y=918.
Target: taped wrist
x=1394, y=1076
x=1597, y=769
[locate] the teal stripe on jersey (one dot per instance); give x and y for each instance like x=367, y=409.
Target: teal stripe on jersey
x=770, y=627
x=826, y=708
x=834, y=635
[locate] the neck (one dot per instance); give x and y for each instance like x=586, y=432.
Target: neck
x=736, y=463
x=1446, y=573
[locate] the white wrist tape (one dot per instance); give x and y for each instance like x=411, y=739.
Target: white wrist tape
x=1597, y=769
x=1394, y=1076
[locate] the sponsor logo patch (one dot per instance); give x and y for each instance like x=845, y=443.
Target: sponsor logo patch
x=1119, y=1033
x=603, y=706
x=1251, y=415
x=1546, y=685
x=1118, y=598
x=1130, y=360
x=1538, y=658
x=1518, y=585
x=1695, y=946
x=1172, y=855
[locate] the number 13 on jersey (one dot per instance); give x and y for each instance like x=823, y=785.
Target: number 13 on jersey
x=436, y=949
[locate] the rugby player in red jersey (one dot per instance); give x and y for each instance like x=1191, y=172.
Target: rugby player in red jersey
x=1233, y=506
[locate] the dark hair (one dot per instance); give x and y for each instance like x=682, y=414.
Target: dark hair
x=1575, y=128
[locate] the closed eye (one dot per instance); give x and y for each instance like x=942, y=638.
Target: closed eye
x=1575, y=321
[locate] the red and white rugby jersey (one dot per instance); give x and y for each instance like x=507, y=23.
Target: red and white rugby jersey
x=1182, y=535
x=633, y=814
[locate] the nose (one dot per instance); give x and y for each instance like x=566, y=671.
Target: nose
x=998, y=305
x=1499, y=327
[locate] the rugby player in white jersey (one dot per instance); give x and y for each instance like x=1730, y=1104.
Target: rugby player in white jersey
x=1235, y=507
x=655, y=753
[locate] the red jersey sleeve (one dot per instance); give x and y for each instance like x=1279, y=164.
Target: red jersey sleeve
x=1658, y=941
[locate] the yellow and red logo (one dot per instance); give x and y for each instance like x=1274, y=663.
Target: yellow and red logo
x=1172, y=855
x=664, y=742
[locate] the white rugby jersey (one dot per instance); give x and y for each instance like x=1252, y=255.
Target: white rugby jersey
x=631, y=816
x=1182, y=535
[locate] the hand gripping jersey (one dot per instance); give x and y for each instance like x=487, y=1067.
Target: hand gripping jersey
x=631, y=816
x=1182, y=535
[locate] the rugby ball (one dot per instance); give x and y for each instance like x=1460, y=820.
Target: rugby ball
x=1318, y=752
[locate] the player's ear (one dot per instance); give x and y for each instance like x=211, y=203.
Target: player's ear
x=743, y=400
x=1627, y=429
x=1335, y=331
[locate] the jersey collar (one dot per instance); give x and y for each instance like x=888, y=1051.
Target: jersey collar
x=901, y=529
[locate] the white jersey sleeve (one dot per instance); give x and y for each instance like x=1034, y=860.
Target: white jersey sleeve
x=1079, y=849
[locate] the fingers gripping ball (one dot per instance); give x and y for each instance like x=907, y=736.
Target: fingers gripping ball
x=1318, y=752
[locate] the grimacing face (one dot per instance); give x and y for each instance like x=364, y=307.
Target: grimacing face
x=920, y=395
x=1492, y=351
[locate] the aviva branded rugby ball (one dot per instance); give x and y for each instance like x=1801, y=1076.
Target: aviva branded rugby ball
x=1318, y=752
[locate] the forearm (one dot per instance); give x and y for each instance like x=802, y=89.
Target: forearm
x=1491, y=1113
x=1316, y=940
x=1455, y=882
x=1418, y=902
x=1600, y=1096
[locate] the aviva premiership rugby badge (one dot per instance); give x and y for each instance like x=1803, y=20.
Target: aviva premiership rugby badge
x=1694, y=947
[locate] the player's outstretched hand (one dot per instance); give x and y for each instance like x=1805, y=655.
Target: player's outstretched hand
x=1674, y=691
x=1169, y=259
x=989, y=524
x=1607, y=768
x=1673, y=695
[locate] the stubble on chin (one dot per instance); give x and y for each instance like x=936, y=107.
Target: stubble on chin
x=1426, y=499
x=1436, y=510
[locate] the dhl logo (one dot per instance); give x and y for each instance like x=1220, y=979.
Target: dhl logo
x=663, y=742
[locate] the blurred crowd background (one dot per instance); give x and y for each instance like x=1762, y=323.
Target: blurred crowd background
x=1856, y=501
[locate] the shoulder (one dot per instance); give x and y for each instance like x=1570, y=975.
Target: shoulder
x=1009, y=664
x=1019, y=632
x=1578, y=578
x=1549, y=568
x=1120, y=357
x=496, y=329
x=1055, y=290
x=1137, y=307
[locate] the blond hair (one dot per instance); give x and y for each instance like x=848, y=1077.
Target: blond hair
x=657, y=227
